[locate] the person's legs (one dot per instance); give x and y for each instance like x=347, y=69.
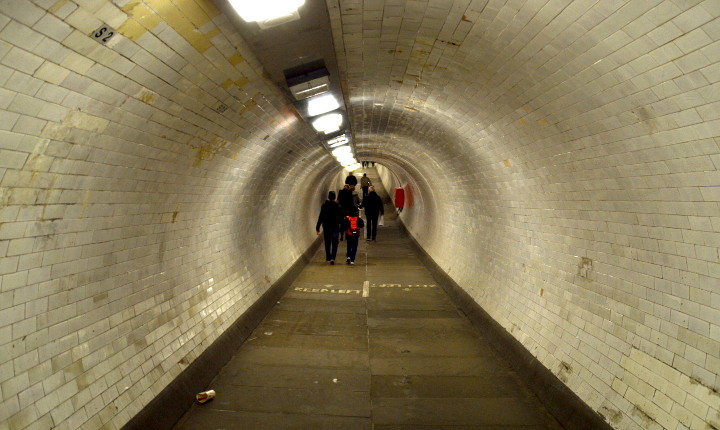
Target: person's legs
x=374, y=221
x=327, y=236
x=348, y=247
x=369, y=226
x=354, y=248
x=333, y=252
x=343, y=213
x=352, y=245
x=365, y=192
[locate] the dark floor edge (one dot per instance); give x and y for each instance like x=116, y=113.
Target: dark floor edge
x=565, y=406
x=165, y=410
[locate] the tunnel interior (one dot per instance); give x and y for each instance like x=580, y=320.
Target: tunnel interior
x=560, y=160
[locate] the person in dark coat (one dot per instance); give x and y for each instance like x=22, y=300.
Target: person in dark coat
x=346, y=200
x=330, y=219
x=351, y=180
x=373, y=209
x=364, y=184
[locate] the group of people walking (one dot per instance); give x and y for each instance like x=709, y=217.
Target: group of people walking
x=340, y=220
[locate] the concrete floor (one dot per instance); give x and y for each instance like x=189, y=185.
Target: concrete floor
x=402, y=358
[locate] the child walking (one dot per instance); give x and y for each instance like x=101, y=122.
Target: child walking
x=352, y=224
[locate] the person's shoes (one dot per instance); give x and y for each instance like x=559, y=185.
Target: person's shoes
x=368, y=239
x=332, y=262
x=352, y=262
x=347, y=261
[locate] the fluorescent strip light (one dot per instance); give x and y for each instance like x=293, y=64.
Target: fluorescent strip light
x=328, y=123
x=340, y=140
x=254, y=10
x=317, y=89
x=321, y=104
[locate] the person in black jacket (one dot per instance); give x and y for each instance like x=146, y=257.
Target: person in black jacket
x=346, y=200
x=351, y=180
x=373, y=209
x=330, y=219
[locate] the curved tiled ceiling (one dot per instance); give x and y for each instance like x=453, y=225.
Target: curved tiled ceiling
x=561, y=158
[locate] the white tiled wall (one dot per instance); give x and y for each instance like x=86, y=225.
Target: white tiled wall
x=136, y=221
x=561, y=158
x=564, y=159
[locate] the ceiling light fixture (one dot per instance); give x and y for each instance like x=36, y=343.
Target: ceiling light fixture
x=253, y=10
x=328, y=123
x=307, y=80
x=337, y=141
x=344, y=156
x=341, y=150
x=321, y=104
x=345, y=160
x=309, y=91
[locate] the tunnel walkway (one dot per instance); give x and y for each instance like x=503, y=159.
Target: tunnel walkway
x=404, y=357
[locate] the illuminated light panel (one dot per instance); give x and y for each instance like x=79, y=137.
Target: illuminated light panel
x=328, y=123
x=344, y=157
x=346, y=160
x=344, y=154
x=321, y=104
x=253, y=10
x=341, y=150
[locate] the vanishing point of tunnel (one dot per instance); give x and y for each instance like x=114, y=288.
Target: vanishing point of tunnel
x=550, y=254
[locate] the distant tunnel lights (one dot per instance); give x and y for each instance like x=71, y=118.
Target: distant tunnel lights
x=328, y=123
x=321, y=104
x=253, y=10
